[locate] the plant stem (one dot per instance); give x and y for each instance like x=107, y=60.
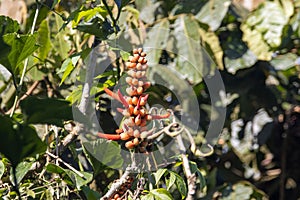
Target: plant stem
x=16, y=182
x=25, y=63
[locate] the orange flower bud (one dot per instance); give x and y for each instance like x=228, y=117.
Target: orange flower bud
x=136, y=133
x=136, y=141
x=130, y=109
x=146, y=85
x=124, y=136
x=136, y=110
x=132, y=65
x=144, y=61
x=138, y=120
x=135, y=100
x=135, y=81
x=128, y=80
x=139, y=66
x=135, y=51
x=148, y=117
x=129, y=100
x=143, y=54
x=129, y=145
x=140, y=90
x=140, y=83
x=140, y=50
x=141, y=60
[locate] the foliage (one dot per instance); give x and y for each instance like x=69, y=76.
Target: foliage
x=45, y=152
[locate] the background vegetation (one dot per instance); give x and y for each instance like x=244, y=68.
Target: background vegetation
x=46, y=54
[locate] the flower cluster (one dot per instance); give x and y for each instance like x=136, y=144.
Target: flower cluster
x=134, y=130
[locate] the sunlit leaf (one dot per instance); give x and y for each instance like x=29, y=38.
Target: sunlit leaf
x=161, y=194
x=284, y=62
x=192, y=61
x=61, y=42
x=156, y=41
x=213, y=12
x=22, y=46
x=158, y=174
x=263, y=29
x=44, y=40
x=88, y=14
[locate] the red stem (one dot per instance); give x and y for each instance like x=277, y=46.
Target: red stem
x=109, y=136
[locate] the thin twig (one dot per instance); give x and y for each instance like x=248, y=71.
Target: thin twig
x=191, y=178
x=66, y=164
x=283, y=162
x=25, y=62
x=28, y=93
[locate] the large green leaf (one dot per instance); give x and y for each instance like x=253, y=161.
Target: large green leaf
x=44, y=40
x=213, y=12
x=7, y=25
x=89, y=193
x=21, y=170
x=47, y=110
x=60, y=42
x=20, y=141
x=156, y=41
x=22, y=46
x=263, y=29
x=192, y=61
x=103, y=153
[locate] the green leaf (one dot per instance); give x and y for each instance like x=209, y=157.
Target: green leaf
x=7, y=25
x=192, y=62
x=44, y=40
x=171, y=181
x=156, y=41
x=148, y=197
x=55, y=2
x=20, y=141
x=212, y=43
x=2, y=169
x=61, y=43
x=88, y=14
x=263, y=29
x=89, y=193
x=78, y=180
x=161, y=194
x=103, y=153
x=284, y=62
x=213, y=12
x=21, y=170
x=195, y=169
x=180, y=184
x=158, y=174
x=237, y=55
x=46, y=111
x=22, y=46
